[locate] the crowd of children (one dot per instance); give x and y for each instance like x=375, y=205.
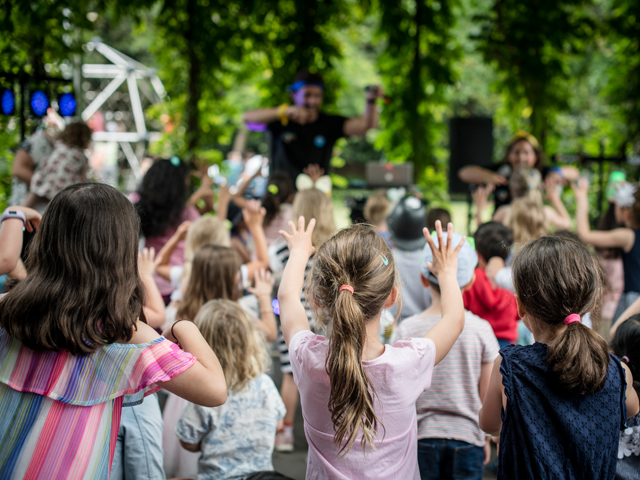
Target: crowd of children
x=139, y=343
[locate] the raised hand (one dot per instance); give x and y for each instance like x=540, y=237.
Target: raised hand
x=253, y=214
x=146, y=263
x=263, y=284
x=580, y=188
x=298, y=114
x=445, y=257
x=299, y=238
x=314, y=171
x=481, y=196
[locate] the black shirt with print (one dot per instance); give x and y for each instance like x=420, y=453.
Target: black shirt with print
x=295, y=146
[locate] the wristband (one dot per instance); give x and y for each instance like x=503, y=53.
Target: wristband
x=14, y=214
x=282, y=114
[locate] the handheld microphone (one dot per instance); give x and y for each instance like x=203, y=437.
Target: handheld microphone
x=371, y=88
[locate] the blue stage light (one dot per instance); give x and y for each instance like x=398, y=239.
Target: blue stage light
x=67, y=104
x=39, y=103
x=8, y=102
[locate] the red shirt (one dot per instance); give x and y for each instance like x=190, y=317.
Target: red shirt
x=497, y=306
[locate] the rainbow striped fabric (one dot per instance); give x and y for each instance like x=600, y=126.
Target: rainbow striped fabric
x=60, y=413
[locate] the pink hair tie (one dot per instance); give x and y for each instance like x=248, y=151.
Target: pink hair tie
x=346, y=287
x=574, y=317
x=626, y=359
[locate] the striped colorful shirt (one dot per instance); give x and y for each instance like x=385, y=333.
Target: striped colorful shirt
x=60, y=413
x=450, y=408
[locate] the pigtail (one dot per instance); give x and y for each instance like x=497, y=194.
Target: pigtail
x=580, y=359
x=351, y=398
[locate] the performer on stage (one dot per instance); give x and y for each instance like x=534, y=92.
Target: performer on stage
x=301, y=135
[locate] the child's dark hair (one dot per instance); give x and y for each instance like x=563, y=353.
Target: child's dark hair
x=83, y=290
x=554, y=277
x=279, y=191
x=163, y=194
x=493, y=239
x=626, y=343
x=436, y=214
x=359, y=257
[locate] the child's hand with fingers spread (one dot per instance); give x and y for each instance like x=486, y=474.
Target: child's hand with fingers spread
x=580, y=188
x=253, y=214
x=445, y=257
x=263, y=284
x=146, y=264
x=300, y=239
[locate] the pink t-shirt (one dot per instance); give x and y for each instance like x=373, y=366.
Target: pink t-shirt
x=399, y=376
x=177, y=257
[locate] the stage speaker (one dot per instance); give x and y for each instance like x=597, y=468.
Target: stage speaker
x=470, y=143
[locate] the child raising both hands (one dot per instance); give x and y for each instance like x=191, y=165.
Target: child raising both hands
x=372, y=387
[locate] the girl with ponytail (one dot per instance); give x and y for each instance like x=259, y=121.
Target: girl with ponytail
x=357, y=395
x=559, y=404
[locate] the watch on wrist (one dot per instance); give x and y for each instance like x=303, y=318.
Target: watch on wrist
x=8, y=213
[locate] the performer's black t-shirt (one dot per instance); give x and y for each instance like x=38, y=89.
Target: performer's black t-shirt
x=295, y=146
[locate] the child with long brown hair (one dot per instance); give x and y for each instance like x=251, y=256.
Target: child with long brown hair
x=559, y=404
x=353, y=389
x=237, y=439
x=77, y=324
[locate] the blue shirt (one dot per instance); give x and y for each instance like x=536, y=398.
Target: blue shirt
x=237, y=437
x=550, y=433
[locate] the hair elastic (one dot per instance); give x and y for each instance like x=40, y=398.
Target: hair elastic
x=175, y=161
x=574, y=317
x=626, y=359
x=346, y=287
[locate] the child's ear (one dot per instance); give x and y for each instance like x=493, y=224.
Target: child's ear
x=425, y=282
x=392, y=298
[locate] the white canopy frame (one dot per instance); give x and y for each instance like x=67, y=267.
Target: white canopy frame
x=123, y=69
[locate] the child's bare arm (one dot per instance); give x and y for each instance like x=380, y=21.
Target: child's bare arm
x=254, y=215
x=623, y=238
x=490, y=416
x=633, y=406
x=445, y=265
x=262, y=290
x=632, y=309
x=164, y=255
x=153, y=302
x=485, y=378
x=293, y=317
x=11, y=236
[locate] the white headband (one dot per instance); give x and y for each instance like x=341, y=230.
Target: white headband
x=625, y=195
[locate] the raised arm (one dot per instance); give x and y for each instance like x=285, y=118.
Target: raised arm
x=481, y=199
x=164, y=255
x=23, y=166
x=445, y=266
x=616, y=238
x=153, y=302
x=254, y=215
x=263, y=286
x=631, y=310
x=282, y=113
x=293, y=317
x=557, y=214
x=480, y=176
x=11, y=236
x=358, y=126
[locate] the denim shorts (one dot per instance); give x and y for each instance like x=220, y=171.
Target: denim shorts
x=441, y=458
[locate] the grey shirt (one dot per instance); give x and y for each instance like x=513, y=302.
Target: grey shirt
x=415, y=297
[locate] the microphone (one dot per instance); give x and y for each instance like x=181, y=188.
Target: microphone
x=372, y=88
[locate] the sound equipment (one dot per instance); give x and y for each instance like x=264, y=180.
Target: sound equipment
x=387, y=175
x=470, y=143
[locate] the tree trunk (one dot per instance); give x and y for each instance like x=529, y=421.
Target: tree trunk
x=192, y=113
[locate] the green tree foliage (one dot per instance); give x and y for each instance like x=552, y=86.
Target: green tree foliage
x=417, y=66
x=529, y=42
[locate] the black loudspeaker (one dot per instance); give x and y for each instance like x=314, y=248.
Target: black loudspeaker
x=470, y=143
